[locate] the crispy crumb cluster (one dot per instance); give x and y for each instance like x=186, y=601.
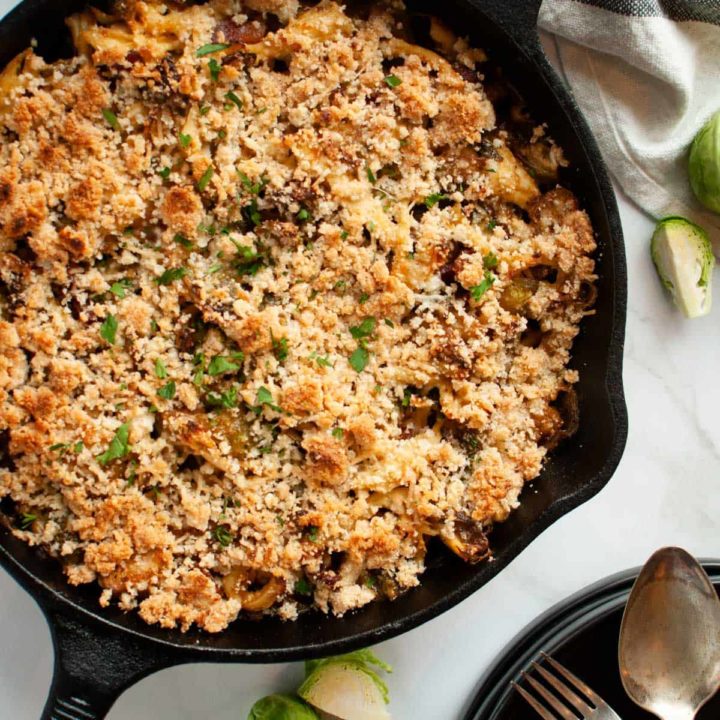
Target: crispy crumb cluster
x=282, y=298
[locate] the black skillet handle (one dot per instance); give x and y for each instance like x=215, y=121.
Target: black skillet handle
x=519, y=19
x=93, y=665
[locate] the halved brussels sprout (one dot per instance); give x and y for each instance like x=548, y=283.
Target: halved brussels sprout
x=684, y=260
x=704, y=164
x=281, y=707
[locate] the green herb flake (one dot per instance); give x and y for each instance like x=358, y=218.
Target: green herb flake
x=233, y=98
x=171, y=275
x=211, y=48
x=108, y=330
x=182, y=240
x=78, y=447
x=118, y=447
x=167, y=391
x=280, y=347
x=62, y=447
x=303, y=215
x=433, y=199
x=26, y=520
x=313, y=533
x=154, y=326
x=492, y=224
x=120, y=287
x=204, y=110
x=265, y=398
x=227, y=399
x=205, y=179
x=214, y=68
x=490, y=261
x=184, y=140
x=392, y=81
x=364, y=297
x=389, y=322
x=214, y=268
x=338, y=433
x=160, y=369
x=164, y=173
x=370, y=175
x=359, y=359
x=221, y=364
x=477, y=291
x=223, y=535
x=364, y=329
x=303, y=587
x=252, y=214
x=111, y=118
x=321, y=360
x=344, y=235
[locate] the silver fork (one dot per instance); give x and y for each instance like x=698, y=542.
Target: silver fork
x=599, y=710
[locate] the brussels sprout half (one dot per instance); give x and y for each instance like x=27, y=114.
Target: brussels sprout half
x=684, y=260
x=704, y=164
x=281, y=707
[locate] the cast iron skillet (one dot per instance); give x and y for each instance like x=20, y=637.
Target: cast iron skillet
x=100, y=652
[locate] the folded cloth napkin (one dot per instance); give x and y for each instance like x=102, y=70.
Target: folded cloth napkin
x=646, y=73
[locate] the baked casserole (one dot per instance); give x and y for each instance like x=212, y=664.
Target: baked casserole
x=288, y=290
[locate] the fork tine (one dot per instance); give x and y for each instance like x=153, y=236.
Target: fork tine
x=551, y=700
x=579, y=684
x=578, y=703
x=539, y=709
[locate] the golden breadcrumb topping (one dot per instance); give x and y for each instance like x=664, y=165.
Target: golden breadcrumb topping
x=284, y=296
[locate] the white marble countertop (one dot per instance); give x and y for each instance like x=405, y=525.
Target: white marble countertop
x=664, y=492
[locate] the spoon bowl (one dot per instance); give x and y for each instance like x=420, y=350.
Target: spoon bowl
x=669, y=651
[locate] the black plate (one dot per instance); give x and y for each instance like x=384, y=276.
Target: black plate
x=99, y=651
x=581, y=633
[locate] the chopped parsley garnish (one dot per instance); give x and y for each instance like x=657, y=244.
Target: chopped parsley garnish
x=111, y=118
x=265, y=398
x=221, y=364
x=490, y=261
x=477, y=291
x=118, y=447
x=389, y=322
x=491, y=225
x=108, y=329
x=364, y=297
x=167, y=391
x=205, y=179
x=78, y=447
x=171, y=275
x=160, y=369
x=214, y=67
x=251, y=213
x=303, y=587
x=233, y=98
x=227, y=399
x=164, y=173
x=250, y=186
x=370, y=582
x=211, y=48
x=407, y=394
x=359, y=359
x=280, y=347
x=303, y=215
x=222, y=535
x=184, y=140
x=182, y=240
x=154, y=325
x=62, y=447
x=321, y=360
x=392, y=81
x=26, y=520
x=204, y=110
x=247, y=261
x=433, y=199
x=370, y=175
x=312, y=532
x=133, y=473
x=214, y=268
x=120, y=287
x=344, y=235
x=338, y=433
x=364, y=329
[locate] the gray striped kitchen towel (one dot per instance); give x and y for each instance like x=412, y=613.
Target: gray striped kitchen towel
x=646, y=73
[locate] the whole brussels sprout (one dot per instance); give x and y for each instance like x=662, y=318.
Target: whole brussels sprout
x=704, y=164
x=281, y=707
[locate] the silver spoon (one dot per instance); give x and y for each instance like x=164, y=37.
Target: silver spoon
x=670, y=637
